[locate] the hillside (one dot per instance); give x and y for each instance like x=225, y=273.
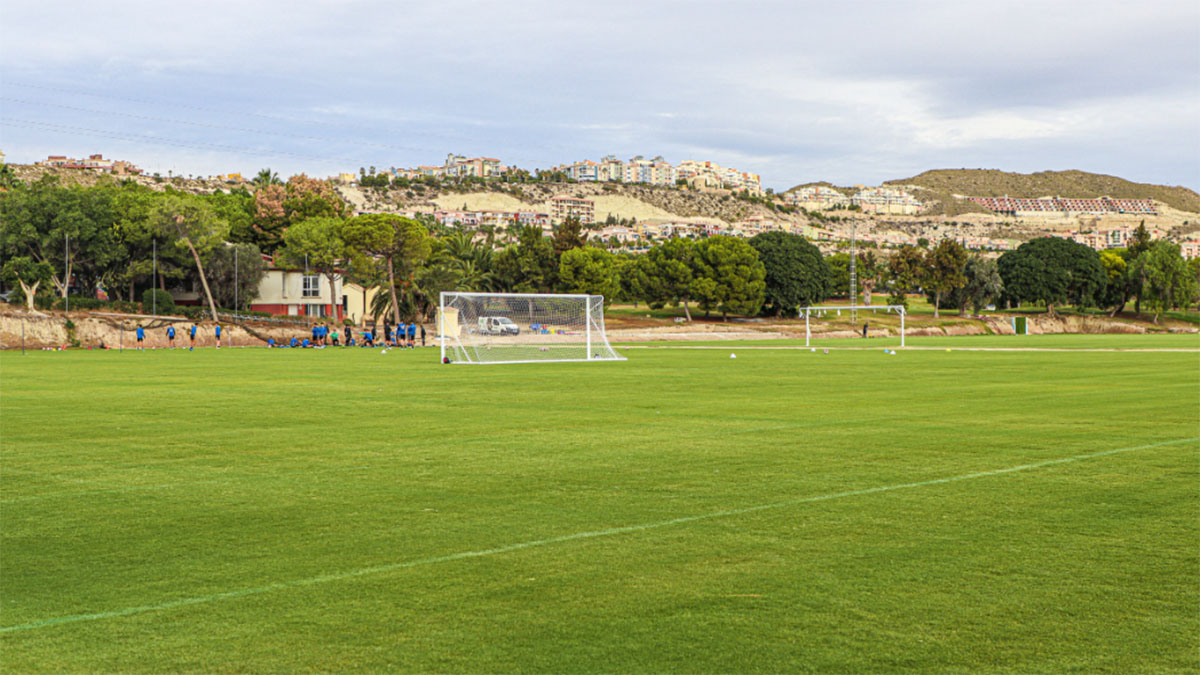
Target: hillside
x=1078, y=184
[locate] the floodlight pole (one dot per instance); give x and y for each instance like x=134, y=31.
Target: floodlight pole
x=153, y=278
x=66, y=272
x=853, y=272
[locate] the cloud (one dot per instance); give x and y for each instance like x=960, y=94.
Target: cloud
x=851, y=92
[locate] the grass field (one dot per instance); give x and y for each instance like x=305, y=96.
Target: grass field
x=681, y=511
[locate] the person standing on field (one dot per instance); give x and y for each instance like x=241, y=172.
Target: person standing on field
x=141, y=335
x=412, y=334
x=192, y=339
x=865, y=329
x=422, y=335
x=171, y=336
x=218, y=335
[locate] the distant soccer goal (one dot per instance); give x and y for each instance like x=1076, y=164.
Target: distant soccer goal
x=522, y=328
x=860, y=312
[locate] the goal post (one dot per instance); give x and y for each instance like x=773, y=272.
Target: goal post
x=484, y=328
x=821, y=311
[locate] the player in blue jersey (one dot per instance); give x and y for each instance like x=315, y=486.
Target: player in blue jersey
x=171, y=336
x=192, y=338
x=218, y=336
x=412, y=335
x=141, y=335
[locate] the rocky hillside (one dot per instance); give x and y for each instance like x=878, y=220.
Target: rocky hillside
x=622, y=201
x=1079, y=184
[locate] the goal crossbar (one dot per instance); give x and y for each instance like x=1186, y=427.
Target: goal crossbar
x=806, y=312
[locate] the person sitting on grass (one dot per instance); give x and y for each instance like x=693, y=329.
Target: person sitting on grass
x=270, y=342
x=294, y=342
x=368, y=339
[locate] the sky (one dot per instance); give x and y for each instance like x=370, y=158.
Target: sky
x=849, y=92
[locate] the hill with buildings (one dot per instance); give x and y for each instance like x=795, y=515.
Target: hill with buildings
x=1068, y=184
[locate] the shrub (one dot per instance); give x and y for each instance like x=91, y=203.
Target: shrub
x=156, y=299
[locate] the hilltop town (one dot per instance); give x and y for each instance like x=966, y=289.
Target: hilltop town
x=632, y=203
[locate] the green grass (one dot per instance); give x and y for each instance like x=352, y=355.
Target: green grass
x=282, y=510
x=1136, y=341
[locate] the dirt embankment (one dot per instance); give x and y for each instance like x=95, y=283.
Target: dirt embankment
x=95, y=331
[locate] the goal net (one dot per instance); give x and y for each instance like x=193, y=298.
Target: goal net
x=522, y=328
x=882, y=325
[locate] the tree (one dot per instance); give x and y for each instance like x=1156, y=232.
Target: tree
x=728, y=276
x=796, y=274
x=867, y=268
x=27, y=274
x=318, y=244
x=1169, y=282
x=568, y=235
x=665, y=273
x=1052, y=270
x=1139, y=243
x=905, y=269
x=398, y=245
x=530, y=265
x=236, y=208
x=983, y=284
x=839, y=274
x=235, y=271
x=71, y=229
x=1116, y=289
x=193, y=224
x=943, y=270
x=277, y=207
x=589, y=270
x=266, y=177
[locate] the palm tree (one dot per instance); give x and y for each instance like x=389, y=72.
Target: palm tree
x=266, y=177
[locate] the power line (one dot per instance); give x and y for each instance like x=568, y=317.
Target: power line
x=207, y=125
x=156, y=140
x=339, y=125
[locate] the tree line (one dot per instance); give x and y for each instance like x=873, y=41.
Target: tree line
x=110, y=234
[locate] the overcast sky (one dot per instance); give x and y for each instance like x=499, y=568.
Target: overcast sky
x=851, y=92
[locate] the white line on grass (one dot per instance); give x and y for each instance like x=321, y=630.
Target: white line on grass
x=918, y=348
x=383, y=569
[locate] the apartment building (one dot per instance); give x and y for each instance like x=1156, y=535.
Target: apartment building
x=884, y=200
x=1015, y=206
x=566, y=206
x=649, y=171
x=92, y=163
x=712, y=175
x=816, y=198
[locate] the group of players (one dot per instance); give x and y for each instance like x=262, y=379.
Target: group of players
x=404, y=335
x=141, y=335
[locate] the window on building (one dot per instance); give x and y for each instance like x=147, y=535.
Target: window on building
x=312, y=286
x=315, y=310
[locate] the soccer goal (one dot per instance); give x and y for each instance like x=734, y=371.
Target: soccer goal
x=844, y=313
x=522, y=328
